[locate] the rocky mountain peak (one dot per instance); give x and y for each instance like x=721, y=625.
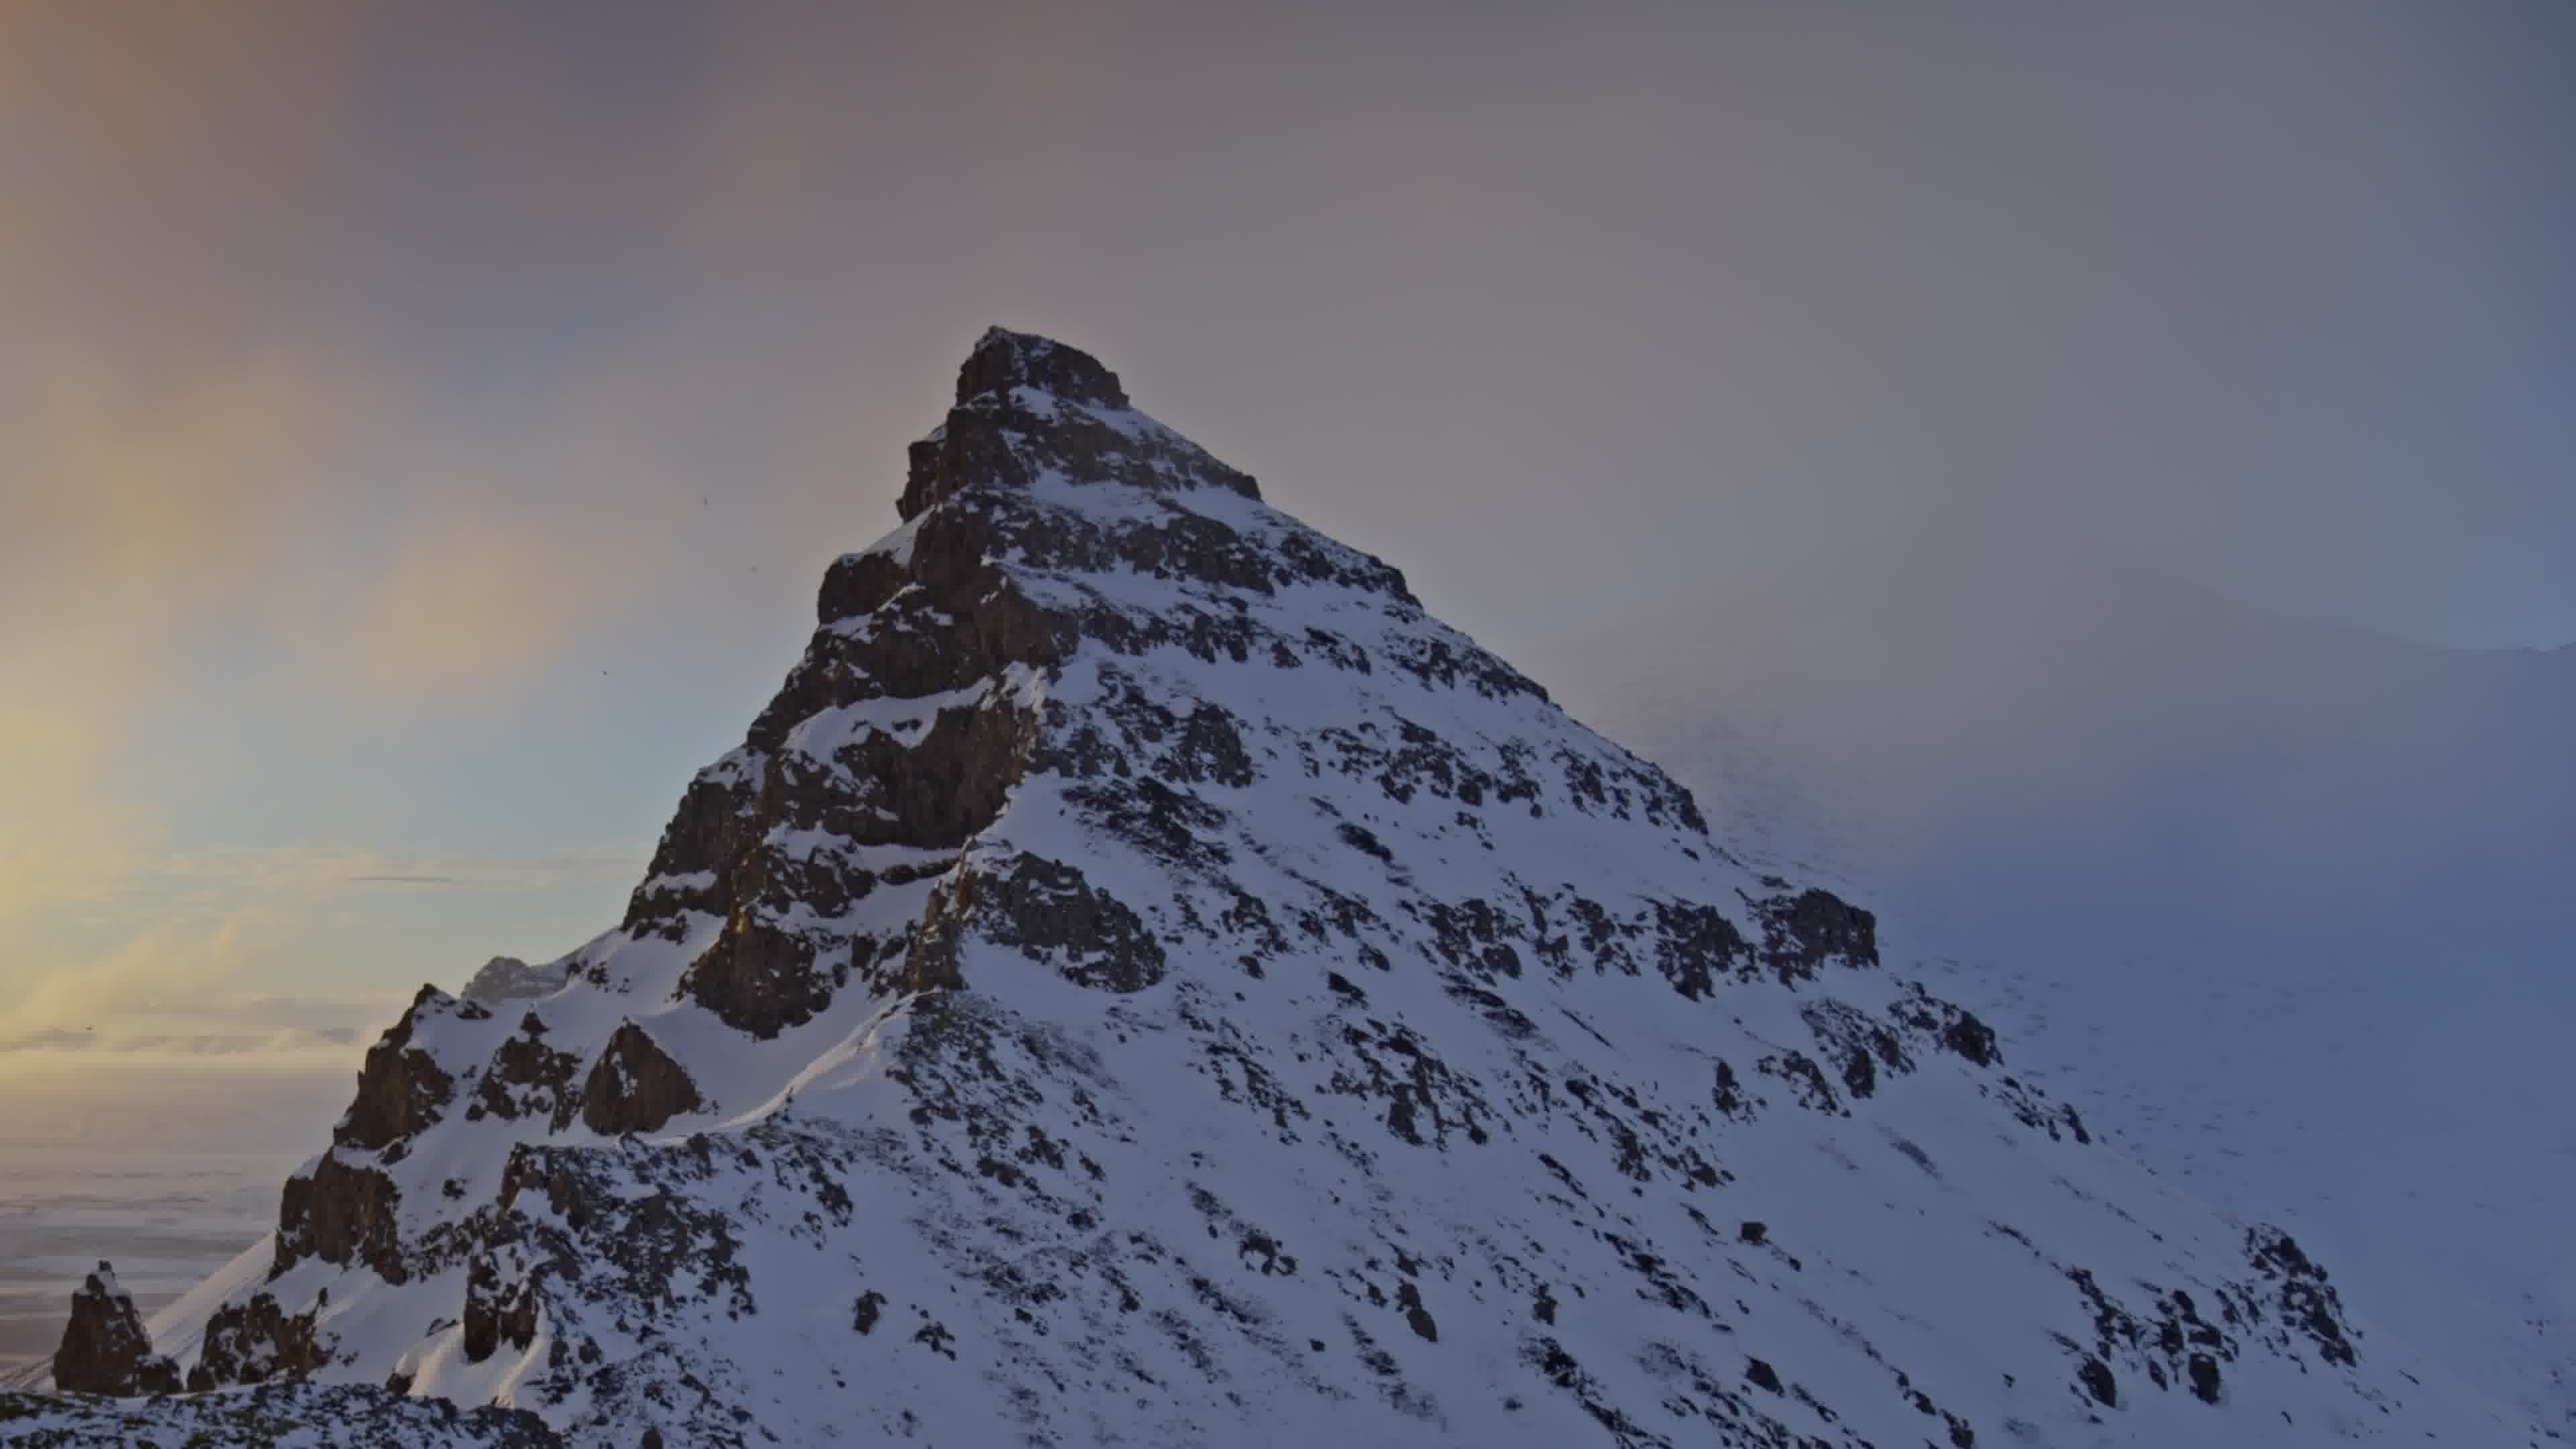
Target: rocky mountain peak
x=1032, y=410
x=1142, y=979
x=1003, y=360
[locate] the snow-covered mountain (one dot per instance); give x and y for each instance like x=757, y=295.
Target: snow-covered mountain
x=2279, y=907
x=507, y=978
x=1144, y=981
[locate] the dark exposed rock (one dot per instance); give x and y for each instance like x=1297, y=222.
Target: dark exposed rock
x=2307, y=1301
x=2096, y=1377
x=761, y=979
x=1131, y=730
x=401, y=1088
x=527, y=1078
x=708, y=830
x=1972, y=1039
x=1418, y=1318
x=105, y=1348
x=635, y=1086
x=1697, y=946
x=2204, y=1378
x=1051, y=913
x=498, y=1306
x=987, y=440
x=934, y=789
x=620, y=1228
x=859, y=583
x=1003, y=360
x=341, y=1214
x=1802, y=932
x=1726, y=1093
x=250, y=1343
x=507, y=978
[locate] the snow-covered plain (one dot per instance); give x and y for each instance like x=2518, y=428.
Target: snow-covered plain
x=1143, y=981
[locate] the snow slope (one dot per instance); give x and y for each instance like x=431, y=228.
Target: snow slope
x=1144, y=981
x=2279, y=908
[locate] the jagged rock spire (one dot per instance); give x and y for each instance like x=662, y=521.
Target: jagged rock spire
x=105, y=1349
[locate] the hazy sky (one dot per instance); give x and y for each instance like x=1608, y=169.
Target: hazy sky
x=422, y=428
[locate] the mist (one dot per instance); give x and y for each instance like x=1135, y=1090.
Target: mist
x=2279, y=904
x=2024, y=728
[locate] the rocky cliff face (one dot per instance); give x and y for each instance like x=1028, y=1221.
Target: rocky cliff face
x=105, y=1349
x=1143, y=980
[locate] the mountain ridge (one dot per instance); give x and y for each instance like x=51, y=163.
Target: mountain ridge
x=1144, y=980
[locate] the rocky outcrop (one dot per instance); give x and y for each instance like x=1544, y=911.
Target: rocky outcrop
x=105, y=1349
x=507, y=978
x=401, y=1089
x=253, y=1342
x=1802, y=932
x=527, y=1078
x=342, y=1214
x=500, y=1303
x=1014, y=387
x=762, y=978
x=1047, y=910
x=635, y=1086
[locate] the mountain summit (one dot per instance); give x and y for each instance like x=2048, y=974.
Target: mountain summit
x=1144, y=981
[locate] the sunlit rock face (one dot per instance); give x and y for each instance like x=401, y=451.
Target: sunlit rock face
x=1143, y=980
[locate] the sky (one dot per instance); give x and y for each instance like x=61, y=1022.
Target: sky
x=422, y=429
